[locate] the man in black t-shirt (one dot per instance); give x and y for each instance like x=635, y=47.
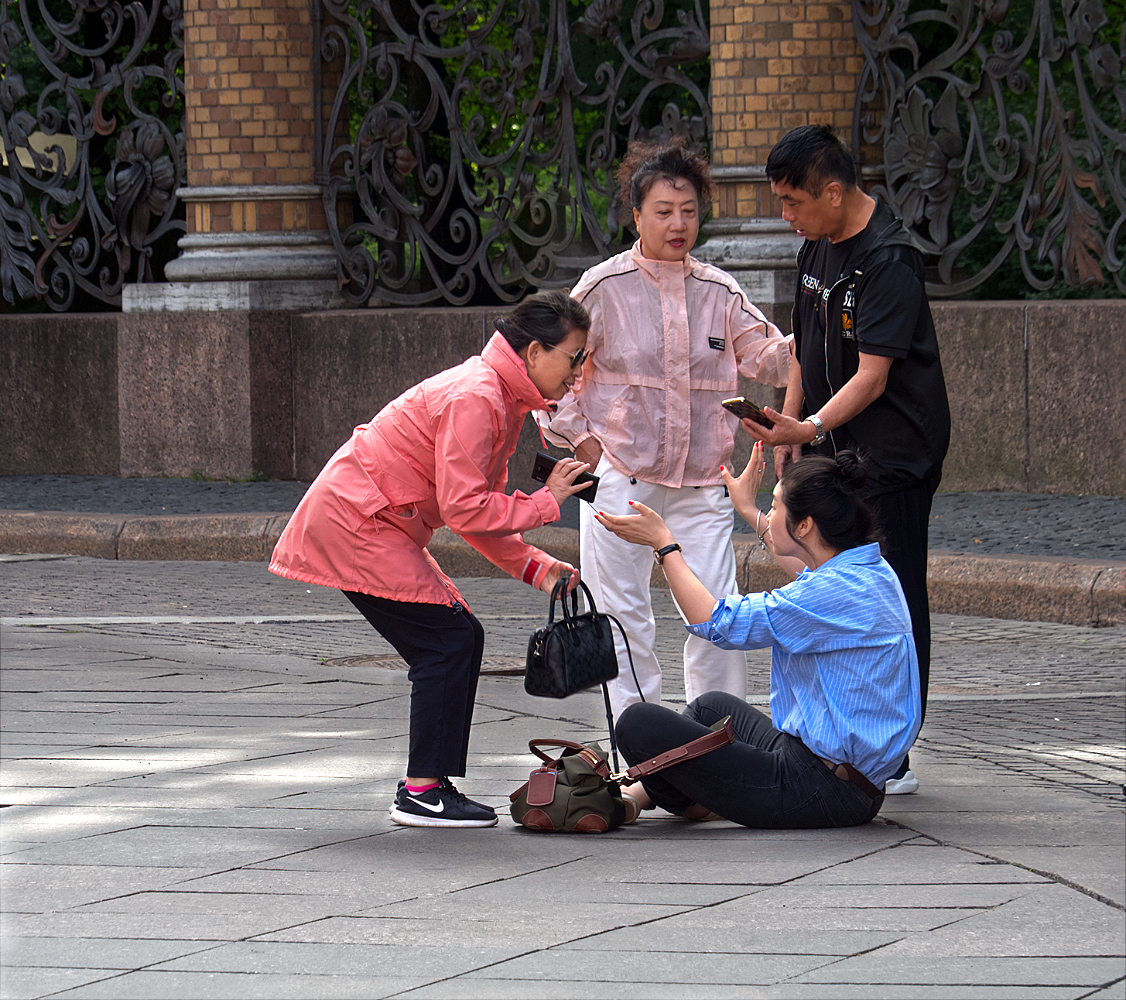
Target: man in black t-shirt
x=869, y=376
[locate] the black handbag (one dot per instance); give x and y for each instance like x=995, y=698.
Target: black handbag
x=577, y=653
x=573, y=654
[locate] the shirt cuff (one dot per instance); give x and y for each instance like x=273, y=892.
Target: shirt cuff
x=535, y=573
x=546, y=505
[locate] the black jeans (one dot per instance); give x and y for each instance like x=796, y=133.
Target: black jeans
x=766, y=779
x=442, y=646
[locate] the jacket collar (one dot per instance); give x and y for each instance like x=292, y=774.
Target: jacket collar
x=883, y=230
x=656, y=268
x=499, y=356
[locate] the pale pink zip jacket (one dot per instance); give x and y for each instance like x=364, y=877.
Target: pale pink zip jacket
x=436, y=455
x=667, y=343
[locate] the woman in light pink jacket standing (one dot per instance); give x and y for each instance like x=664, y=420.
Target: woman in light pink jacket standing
x=439, y=455
x=669, y=337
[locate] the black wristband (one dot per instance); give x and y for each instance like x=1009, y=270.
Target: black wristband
x=660, y=554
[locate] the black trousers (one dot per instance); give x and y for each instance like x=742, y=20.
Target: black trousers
x=767, y=779
x=904, y=516
x=442, y=646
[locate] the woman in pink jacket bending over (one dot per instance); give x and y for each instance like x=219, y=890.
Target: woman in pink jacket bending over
x=669, y=338
x=439, y=455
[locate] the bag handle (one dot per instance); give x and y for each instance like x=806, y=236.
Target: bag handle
x=697, y=748
x=597, y=763
x=534, y=746
x=559, y=593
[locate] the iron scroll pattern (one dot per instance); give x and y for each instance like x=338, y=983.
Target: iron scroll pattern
x=1003, y=130
x=468, y=154
x=95, y=151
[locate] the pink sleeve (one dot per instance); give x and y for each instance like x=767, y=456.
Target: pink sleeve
x=515, y=556
x=568, y=426
x=761, y=349
x=465, y=435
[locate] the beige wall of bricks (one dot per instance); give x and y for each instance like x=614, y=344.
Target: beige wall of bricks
x=776, y=66
x=249, y=83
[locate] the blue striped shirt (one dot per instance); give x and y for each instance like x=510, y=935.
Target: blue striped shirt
x=844, y=677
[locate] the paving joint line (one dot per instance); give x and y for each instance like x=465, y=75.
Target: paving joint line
x=1099, y=989
x=689, y=908
x=1059, y=879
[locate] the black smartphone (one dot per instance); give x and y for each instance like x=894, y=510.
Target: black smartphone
x=543, y=465
x=743, y=407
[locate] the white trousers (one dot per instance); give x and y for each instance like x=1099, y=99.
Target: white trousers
x=618, y=573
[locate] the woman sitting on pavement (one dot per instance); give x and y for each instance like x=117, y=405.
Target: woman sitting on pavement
x=439, y=455
x=844, y=688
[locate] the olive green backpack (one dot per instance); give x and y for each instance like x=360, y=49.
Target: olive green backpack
x=576, y=792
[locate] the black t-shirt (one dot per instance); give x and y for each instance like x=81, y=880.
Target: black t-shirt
x=885, y=312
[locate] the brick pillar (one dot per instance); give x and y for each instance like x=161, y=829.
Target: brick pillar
x=254, y=211
x=213, y=344
x=775, y=66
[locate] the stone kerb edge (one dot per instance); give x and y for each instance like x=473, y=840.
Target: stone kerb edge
x=1044, y=589
x=93, y=535
x=203, y=537
x=1075, y=592
x=228, y=537
x=1108, y=597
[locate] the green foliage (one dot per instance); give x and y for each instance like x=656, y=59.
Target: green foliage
x=519, y=140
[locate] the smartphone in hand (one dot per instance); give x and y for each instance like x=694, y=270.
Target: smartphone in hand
x=543, y=465
x=743, y=407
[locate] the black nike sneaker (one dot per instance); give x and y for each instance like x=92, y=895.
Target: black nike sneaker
x=442, y=805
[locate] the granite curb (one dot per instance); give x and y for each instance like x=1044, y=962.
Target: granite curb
x=1044, y=588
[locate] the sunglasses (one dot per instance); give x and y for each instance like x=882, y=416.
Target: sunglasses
x=577, y=358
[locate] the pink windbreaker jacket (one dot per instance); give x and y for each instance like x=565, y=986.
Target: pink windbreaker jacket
x=667, y=344
x=436, y=455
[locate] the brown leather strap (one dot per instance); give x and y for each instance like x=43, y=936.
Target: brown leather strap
x=846, y=772
x=599, y=766
x=697, y=748
x=534, y=746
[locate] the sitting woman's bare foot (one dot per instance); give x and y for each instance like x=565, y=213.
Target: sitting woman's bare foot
x=638, y=794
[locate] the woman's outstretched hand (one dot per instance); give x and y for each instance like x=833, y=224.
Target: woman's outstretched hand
x=553, y=574
x=561, y=482
x=744, y=489
x=647, y=528
x=644, y=527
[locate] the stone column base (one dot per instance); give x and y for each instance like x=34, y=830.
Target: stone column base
x=296, y=295
x=761, y=255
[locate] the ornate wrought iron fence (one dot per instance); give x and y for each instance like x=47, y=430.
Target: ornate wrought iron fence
x=91, y=118
x=468, y=152
x=1003, y=130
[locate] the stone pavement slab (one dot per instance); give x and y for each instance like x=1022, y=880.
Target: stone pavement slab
x=198, y=808
x=480, y=988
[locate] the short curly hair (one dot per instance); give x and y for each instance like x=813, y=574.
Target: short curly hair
x=645, y=163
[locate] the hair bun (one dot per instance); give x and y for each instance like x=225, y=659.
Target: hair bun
x=852, y=468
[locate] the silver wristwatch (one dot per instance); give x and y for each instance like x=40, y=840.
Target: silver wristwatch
x=818, y=428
